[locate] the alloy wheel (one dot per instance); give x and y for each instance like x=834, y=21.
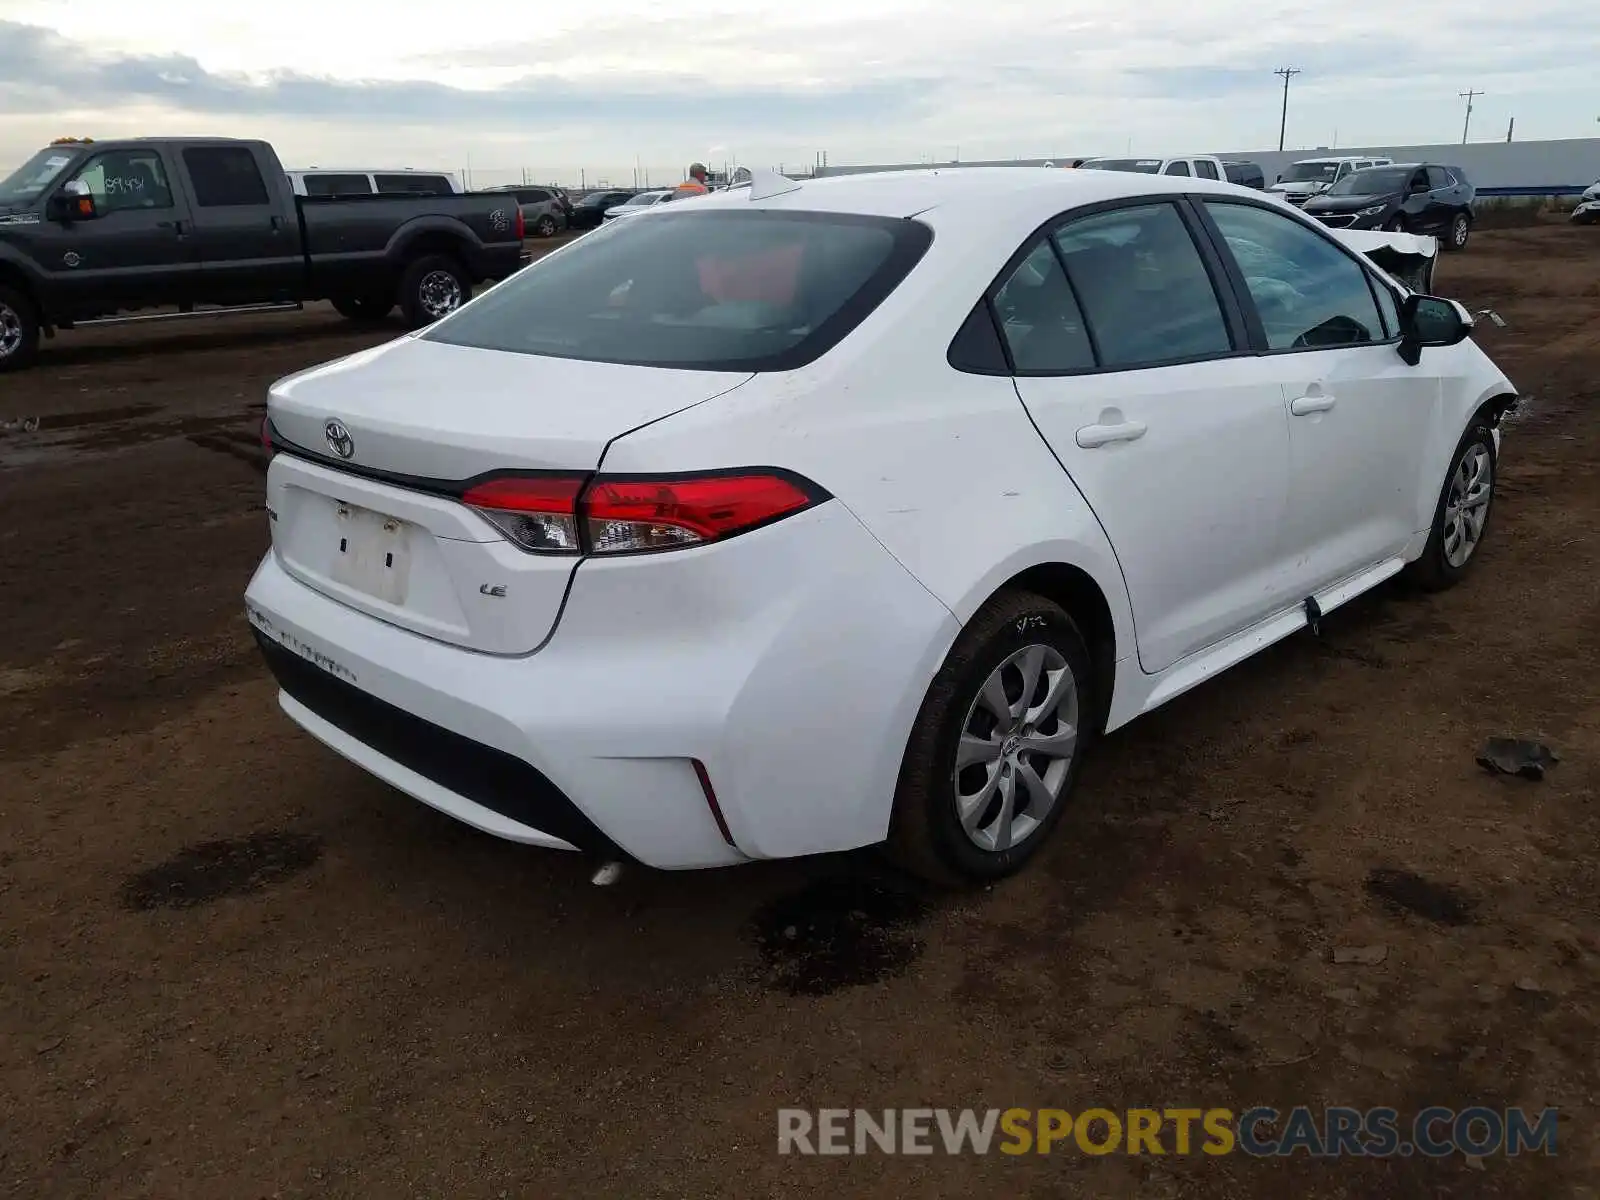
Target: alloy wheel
x=1466, y=508
x=1016, y=748
x=10, y=331
x=439, y=293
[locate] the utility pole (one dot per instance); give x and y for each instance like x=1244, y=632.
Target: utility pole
x=1467, y=124
x=1288, y=73
x=1509, y=127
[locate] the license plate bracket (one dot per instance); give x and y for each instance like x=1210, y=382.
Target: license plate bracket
x=371, y=553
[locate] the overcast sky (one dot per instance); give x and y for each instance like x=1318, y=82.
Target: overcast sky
x=594, y=85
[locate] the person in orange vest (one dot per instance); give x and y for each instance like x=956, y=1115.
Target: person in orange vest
x=695, y=185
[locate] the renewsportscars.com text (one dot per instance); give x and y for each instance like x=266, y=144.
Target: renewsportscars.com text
x=1333, y=1132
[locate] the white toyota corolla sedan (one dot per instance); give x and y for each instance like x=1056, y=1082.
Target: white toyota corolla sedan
x=812, y=516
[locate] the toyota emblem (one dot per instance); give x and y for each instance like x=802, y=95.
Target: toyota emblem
x=339, y=440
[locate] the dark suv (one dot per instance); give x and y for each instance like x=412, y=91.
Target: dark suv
x=590, y=211
x=1404, y=198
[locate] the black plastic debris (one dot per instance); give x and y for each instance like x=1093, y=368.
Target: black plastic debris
x=1517, y=756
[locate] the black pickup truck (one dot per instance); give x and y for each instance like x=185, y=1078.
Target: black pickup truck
x=95, y=232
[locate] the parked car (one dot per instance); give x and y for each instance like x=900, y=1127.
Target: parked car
x=946, y=473
x=1587, y=213
x=545, y=210
x=1592, y=192
x=1405, y=198
x=1245, y=174
x=1201, y=166
x=590, y=211
x=640, y=202
x=92, y=231
x=1312, y=176
x=320, y=181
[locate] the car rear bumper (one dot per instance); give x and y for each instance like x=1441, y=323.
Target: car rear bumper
x=787, y=664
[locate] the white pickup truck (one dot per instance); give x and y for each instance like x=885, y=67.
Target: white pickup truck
x=1203, y=166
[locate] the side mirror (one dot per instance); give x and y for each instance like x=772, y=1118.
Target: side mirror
x=72, y=203
x=1431, y=321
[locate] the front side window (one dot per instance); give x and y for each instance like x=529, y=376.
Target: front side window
x=1438, y=178
x=1206, y=169
x=126, y=179
x=1039, y=317
x=717, y=291
x=1145, y=291
x=1309, y=293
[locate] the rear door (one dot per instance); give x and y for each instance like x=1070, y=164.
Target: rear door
x=1130, y=359
x=246, y=231
x=1359, y=418
x=139, y=251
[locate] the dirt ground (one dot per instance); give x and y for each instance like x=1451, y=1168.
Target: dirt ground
x=234, y=966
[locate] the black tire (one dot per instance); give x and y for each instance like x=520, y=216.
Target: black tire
x=19, y=330
x=925, y=833
x=1457, y=232
x=419, y=302
x=1433, y=571
x=545, y=226
x=366, y=309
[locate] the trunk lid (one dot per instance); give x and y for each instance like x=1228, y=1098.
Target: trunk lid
x=378, y=529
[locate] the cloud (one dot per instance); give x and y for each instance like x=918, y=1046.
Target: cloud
x=894, y=80
x=41, y=69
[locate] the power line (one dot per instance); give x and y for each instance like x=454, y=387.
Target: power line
x=1288, y=73
x=1467, y=124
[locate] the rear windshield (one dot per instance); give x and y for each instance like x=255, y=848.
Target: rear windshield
x=709, y=291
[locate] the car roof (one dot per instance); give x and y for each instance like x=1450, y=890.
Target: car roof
x=1012, y=192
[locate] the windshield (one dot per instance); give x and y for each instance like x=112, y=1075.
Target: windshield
x=1142, y=166
x=1311, y=172
x=32, y=177
x=1379, y=181
x=709, y=291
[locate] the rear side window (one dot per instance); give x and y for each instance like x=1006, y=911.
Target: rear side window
x=1145, y=291
x=1177, y=168
x=429, y=185
x=337, y=185
x=1039, y=317
x=713, y=291
x=1310, y=294
x=533, y=196
x=224, y=176
x=1205, y=169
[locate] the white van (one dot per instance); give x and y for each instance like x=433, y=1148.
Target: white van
x=1312, y=176
x=328, y=181
x=1201, y=166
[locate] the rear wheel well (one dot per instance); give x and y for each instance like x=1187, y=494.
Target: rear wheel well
x=1077, y=592
x=434, y=242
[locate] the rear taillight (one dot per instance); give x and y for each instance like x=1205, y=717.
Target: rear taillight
x=266, y=434
x=522, y=226
x=630, y=514
x=537, y=512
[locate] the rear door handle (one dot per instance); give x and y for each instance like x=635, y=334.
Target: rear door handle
x=1304, y=406
x=175, y=226
x=1091, y=436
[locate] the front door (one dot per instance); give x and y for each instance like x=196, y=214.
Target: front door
x=136, y=252
x=1130, y=370
x=1359, y=418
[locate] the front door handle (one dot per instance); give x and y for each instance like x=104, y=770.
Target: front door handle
x=1091, y=436
x=1304, y=406
x=175, y=226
